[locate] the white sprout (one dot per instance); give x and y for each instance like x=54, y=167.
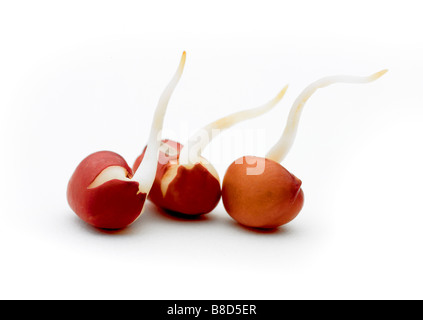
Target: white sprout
x=147, y=170
x=190, y=153
x=278, y=152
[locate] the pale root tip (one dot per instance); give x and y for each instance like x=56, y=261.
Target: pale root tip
x=282, y=92
x=377, y=75
x=183, y=58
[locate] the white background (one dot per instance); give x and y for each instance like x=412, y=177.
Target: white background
x=82, y=76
